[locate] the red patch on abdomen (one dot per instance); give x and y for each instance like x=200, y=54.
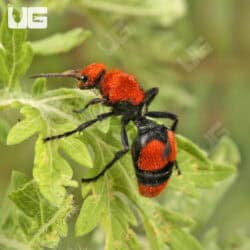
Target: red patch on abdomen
x=171, y=138
x=150, y=158
x=151, y=191
x=119, y=86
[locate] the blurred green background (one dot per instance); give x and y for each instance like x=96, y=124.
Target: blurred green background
x=200, y=61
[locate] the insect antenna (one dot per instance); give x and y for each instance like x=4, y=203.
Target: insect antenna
x=69, y=73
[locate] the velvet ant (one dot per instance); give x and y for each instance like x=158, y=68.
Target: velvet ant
x=154, y=149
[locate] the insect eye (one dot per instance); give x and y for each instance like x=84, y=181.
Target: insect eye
x=84, y=78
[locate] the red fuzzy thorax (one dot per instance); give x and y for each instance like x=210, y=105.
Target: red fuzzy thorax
x=118, y=86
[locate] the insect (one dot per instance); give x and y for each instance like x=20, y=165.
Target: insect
x=154, y=149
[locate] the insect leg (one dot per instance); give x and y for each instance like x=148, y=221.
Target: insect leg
x=91, y=102
x=150, y=95
x=171, y=116
x=80, y=128
x=177, y=168
x=174, y=118
x=118, y=155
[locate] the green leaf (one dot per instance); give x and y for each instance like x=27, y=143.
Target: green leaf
x=216, y=180
x=165, y=10
x=156, y=241
x=118, y=217
x=86, y=189
x=25, y=128
x=39, y=87
x=116, y=223
x=18, y=180
x=210, y=240
x=4, y=129
x=75, y=149
x=194, y=151
x=226, y=152
x=127, y=213
x=179, y=239
x=2, y=6
x=176, y=218
x=197, y=171
x=90, y=214
x=61, y=42
x=32, y=222
x=4, y=73
x=15, y=54
x=52, y=172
